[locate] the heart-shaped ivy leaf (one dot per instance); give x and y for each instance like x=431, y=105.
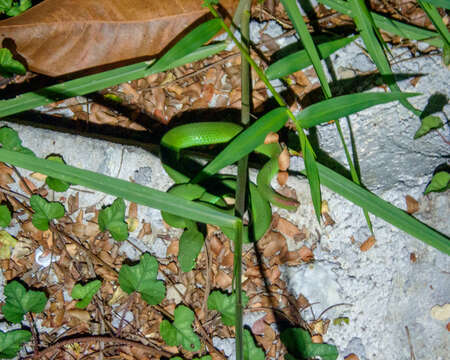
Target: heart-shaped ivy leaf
x=191, y=242
x=19, y=301
x=5, y=216
x=53, y=183
x=6, y=242
x=85, y=293
x=45, y=211
x=9, y=139
x=439, y=182
x=112, y=218
x=180, y=332
x=11, y=341
x=251, y=351
x=300, y=346
x=142, y=278
x=429, y=123
x=226, y=305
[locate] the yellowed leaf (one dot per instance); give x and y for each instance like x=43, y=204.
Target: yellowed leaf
x=6, y=242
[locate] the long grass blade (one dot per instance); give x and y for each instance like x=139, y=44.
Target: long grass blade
x=91, y=83
x=345, y=105
x=368, y=33
x=436, y=19
x=392, y=26
x=445, y=4
x=191, y=42
x=121, y=188
x=245, y=142
x=300, y=59
x=383, y=209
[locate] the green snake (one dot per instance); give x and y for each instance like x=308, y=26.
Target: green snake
x=198, y=184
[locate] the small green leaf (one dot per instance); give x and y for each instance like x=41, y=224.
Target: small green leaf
x=9, y=66
x=9, y=139
x=429, y=123
x=18, y=9
x=341, y=320
x=53, y=183
x=113, y=97
x=191, y=242
x=11, y=341
x=299, y=345
x=5, y=216
x=6, y=242
x=206, y=357
x=112, y=218
x=251, y=351
x=19, y=301
x=446, y=54
x=85, y=293
x=5, y=5
x=180, y=331
x=45, y=211
x=226, y=305
x=142, y=278
x=439, y=182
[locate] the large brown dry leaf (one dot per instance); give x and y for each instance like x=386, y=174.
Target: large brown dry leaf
x=58, y=37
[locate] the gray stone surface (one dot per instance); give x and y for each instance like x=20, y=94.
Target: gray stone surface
x=387, y=291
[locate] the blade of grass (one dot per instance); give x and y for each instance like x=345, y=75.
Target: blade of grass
x=300, y=59
x=364, y=22
x=306, y=38
x=382, y=209
x=445, y=4
x=345, y=105
x=121, y=188
x=242, y=179
x=392, y=26
x=313, y=183
x=436, y=19
x=91, y=83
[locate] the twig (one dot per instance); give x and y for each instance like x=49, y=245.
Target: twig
x=411, y=350
x=125, y=310
x=34, y=333
x=14, y=194
x=94, y=339
x=333, y=306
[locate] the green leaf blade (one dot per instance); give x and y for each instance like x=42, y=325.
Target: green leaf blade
x=11, y=341
x=5, y=216
x=9, y=66
x=9, y=139
x=299, y=344
x=251, y=351
x=19, y=301
x=191, y=243
x=85, y=293
x=56, y=184
x=112, y=218
x=429, y=123
x=45, y=211
x=142, y=279
x=440, y=182
x=225, y=305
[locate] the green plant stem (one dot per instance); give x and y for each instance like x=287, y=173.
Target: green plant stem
x=242, y=178
x=309, y=156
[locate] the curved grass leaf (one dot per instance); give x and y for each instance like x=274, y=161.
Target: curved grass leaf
x=142, y=279
x=226, y=305
x=19, y=301
x=375, y=44
x=383, y=209
x=45, y=211
x=5, y=216
x=436, y=19
x=191, y=42
x=180, y=331
x=91, y=83
x=127, y=190
x=300, y=59
x=11, y=341
x=439, y=182
x=85, y=293
x=112, y=218
x=393, y=26
x=445, y=4
x=345, y=105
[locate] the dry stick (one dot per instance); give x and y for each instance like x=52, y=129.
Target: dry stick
x=94, y=339
x=411, y=350
x=34, y=333
x=125, y=310
x=208, y=275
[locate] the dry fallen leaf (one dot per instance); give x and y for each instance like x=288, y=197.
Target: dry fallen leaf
x=57, y=37
x=412, y=205
x=351, y=357
x=441, y=312
x=366, y=245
